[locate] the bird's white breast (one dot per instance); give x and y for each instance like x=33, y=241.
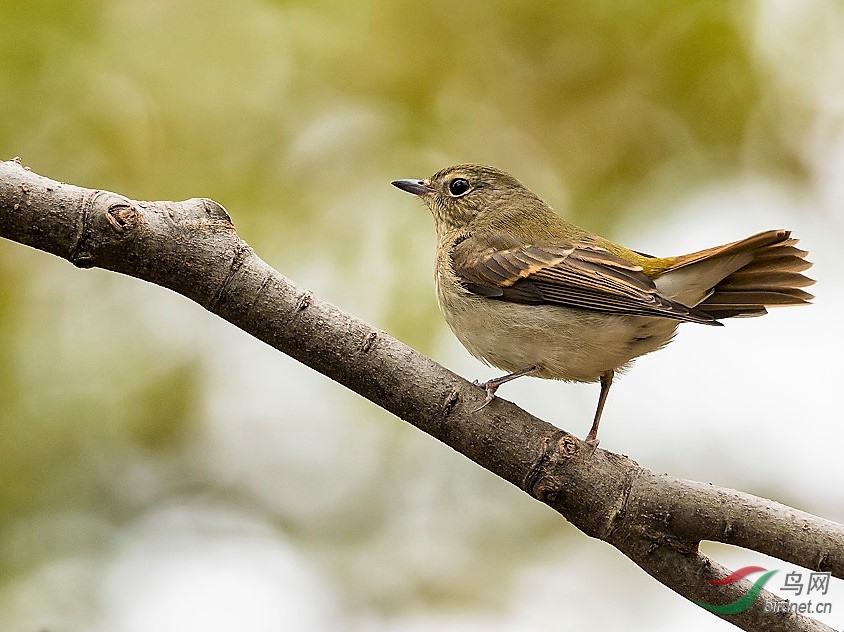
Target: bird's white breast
x=566, y=344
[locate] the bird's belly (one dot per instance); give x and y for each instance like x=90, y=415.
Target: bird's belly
x=565, y=344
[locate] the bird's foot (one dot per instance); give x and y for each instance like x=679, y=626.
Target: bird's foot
x=592, y=438
x=490, y=387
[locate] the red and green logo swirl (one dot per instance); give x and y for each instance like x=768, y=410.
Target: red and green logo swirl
x=745, y=601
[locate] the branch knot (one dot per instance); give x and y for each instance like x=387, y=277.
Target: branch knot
x=558, y=447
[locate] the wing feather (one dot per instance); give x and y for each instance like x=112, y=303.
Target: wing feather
x=579, y=274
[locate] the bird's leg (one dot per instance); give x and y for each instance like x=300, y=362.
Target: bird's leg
x=606, y=382
x=492, y=385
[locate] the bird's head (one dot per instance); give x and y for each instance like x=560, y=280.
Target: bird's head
x=466, y=196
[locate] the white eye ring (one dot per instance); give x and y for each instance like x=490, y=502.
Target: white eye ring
x=459, y=186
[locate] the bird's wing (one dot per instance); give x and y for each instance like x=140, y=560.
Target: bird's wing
x=578, y=274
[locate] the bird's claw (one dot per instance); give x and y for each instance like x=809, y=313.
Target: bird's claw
x=490, y=389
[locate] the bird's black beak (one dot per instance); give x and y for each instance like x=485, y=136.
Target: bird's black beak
x=417, y=187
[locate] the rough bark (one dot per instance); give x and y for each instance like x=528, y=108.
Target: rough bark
x=656, y=520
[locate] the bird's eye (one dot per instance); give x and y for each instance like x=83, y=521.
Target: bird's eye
x=458, y=186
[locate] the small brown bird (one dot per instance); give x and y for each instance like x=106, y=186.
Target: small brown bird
x=531, y=294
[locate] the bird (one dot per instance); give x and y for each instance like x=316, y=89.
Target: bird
x=529, y=293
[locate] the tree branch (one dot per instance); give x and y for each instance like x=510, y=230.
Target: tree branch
x=656, y=520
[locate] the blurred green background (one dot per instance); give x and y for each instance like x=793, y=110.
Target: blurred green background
x=161, y=470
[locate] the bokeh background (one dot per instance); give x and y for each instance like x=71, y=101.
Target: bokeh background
x=160, y=470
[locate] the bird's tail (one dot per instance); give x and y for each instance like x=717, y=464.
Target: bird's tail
x=741, y=278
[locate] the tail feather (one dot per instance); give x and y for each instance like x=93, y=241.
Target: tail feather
x=757, y=244
x=772, y=278
x=720, y=312
x=744, y=277
x=748, y=278
x=770, y=298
